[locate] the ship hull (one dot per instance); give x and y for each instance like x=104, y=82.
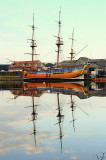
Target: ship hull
x=55, y=74
x=65, y=88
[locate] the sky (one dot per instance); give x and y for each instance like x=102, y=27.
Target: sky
x=87, y=17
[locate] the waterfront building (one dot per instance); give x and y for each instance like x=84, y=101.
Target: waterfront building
x=4, y=67
x=20, y=65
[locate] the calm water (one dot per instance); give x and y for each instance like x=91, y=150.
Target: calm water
x=52, y=121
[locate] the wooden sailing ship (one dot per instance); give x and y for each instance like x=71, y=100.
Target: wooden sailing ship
x=57, y=72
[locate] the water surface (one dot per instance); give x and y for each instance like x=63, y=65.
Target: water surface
x=52, y=121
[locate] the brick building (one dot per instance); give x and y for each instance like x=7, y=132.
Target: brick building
x=20, y=65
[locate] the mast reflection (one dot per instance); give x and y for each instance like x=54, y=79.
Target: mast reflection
x=72, y=109
x=60, y=120
x=59, y=91
x=37, y=89
x=34, y=115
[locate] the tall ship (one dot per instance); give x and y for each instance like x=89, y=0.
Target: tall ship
x=55, y=73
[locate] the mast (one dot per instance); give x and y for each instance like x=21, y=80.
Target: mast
x=59, y=42
x=72, y=50
x=33, y=44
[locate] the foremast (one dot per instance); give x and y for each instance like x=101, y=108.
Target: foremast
x=59, y=41
x=33, y=44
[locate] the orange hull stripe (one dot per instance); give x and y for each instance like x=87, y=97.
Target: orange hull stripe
x=72, y=74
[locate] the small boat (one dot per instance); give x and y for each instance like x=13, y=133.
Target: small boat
x=57, y=73
x=99, y=79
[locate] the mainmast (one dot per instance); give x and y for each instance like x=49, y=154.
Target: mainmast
x=59, y=42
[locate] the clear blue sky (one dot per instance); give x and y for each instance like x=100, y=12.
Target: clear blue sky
x=88, y=17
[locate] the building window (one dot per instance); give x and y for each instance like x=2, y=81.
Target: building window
x=38, y=65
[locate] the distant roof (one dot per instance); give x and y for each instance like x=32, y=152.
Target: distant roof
x=4, y=67
x=102, y=63
x=24, y=62
x=87, y=59
x=20, y=64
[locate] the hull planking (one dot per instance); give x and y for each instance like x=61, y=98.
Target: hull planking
x=66, y=73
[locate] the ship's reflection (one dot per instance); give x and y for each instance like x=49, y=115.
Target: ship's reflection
x=81, y=90
x=40, y=88
x=70, y=90
x=37, y=89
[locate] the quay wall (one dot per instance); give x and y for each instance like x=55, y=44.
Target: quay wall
x=11, y=76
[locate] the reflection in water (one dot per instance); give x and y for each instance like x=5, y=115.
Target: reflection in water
x=83, y=91
x=72, y=109
x=34, y=117
x=65, y=88
x=73, y=146
x=100, y=157
x=60, y=118
x=73, y=106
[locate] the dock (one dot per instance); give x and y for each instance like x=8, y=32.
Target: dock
x=11, y=76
